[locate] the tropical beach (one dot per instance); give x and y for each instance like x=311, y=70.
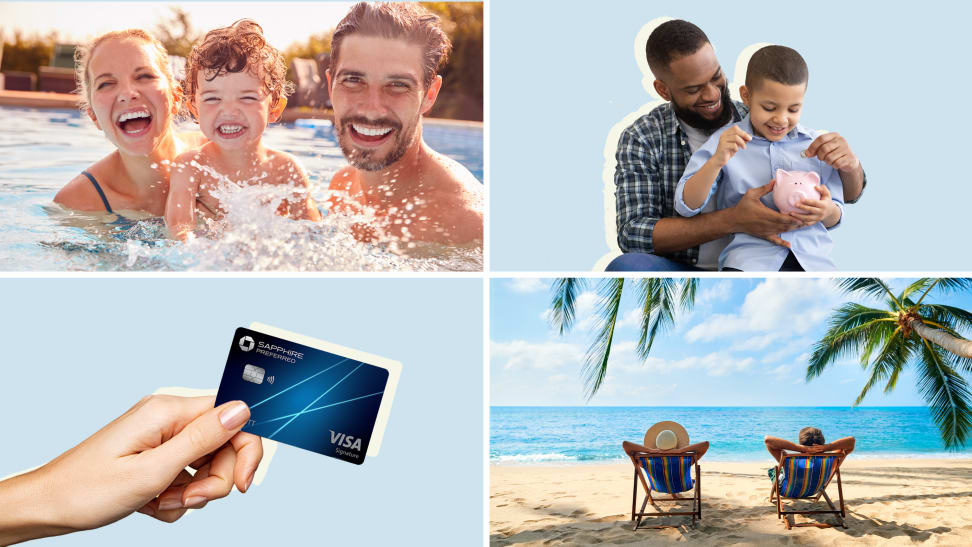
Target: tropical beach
x=890, y=501
x=847, y=399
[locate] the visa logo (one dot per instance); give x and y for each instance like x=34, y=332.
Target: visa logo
x=346, y=441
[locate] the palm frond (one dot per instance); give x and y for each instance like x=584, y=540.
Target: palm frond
x=891, y=358
x=690, y=286
x=849, y=329
x=949, y=316
x=565, y=290
x=880, y=332
x=947, y=395
x=595, y=366
x=923, y=285
x=950, y=284
x=657, y=310
x=871, y=286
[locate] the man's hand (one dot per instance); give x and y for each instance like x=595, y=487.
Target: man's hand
x=816, y=210
x=816, y=449
x=731, y=141
x=834, y=150
x=754, y=218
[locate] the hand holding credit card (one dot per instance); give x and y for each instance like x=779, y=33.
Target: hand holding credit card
x=309, y=393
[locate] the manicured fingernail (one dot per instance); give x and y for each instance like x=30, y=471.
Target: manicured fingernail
x=248, y=483
x=195, y=500
x=166, y=504
x=234, y=415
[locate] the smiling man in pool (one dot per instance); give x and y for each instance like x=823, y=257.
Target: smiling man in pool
x=383, y=78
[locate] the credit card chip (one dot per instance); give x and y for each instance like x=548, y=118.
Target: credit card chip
x=252, y=373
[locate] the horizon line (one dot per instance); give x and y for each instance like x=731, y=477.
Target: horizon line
x=697, y=406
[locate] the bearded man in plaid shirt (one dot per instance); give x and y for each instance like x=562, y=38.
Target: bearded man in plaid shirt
x=654, y=150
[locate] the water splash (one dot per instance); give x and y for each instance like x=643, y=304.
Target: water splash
x=251, y=236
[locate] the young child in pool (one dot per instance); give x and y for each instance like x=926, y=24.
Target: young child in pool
x=235, y=85
x=746, y=154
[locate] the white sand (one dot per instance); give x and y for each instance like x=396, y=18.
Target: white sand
x=888, y=501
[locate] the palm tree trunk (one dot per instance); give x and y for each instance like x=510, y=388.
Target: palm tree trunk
x=955, y=345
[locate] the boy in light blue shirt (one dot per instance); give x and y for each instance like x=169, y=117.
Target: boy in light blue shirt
x=769, y=138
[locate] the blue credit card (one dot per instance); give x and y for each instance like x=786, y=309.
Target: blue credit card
x=304, y=396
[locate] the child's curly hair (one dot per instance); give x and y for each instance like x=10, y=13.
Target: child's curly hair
x=237, y=48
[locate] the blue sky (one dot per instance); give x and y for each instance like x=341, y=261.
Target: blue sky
x=745, y=343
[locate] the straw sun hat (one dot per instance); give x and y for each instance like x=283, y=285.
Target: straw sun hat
x=666, y=436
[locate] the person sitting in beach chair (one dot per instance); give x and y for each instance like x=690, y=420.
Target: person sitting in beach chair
x=806, y=473
x=663, y=464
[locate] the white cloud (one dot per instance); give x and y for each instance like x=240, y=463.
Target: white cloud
x=793, y=305
x=719, y=292
x=630, y=319
x=527, y=285
x=520, y=354
x=755, y=343
x=718, y=363
x=585, y=307
x=801, y=344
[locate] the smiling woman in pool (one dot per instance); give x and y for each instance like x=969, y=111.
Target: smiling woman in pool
x=130, y=94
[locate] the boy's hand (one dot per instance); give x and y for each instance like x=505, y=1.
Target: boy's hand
x=833, y=150
x=731, y=141
x=816, y=210
x=756, y=219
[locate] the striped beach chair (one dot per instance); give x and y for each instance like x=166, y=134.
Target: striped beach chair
x=666, y=473
x=806, y=477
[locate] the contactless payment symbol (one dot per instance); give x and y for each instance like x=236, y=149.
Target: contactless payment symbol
x=246, y=343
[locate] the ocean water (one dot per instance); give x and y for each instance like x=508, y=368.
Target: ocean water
x=594, y=434
x=43, y=149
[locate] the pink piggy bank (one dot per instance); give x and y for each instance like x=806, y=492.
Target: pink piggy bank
x=793, y=186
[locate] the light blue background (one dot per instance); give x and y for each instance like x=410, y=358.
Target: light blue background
x=75, y=354
x=891, y=78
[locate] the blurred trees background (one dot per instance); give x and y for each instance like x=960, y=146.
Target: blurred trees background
x=462, y=89
x=177, y=33
x=23, y=53
x=461, y=97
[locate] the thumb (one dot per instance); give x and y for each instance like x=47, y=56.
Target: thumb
x=203, y=435
x=765, y=189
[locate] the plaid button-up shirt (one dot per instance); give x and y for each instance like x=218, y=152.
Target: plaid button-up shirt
x=652, y=154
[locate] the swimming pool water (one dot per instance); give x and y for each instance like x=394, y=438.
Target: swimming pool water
x=40, y=150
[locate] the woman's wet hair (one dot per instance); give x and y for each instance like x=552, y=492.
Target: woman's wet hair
x=810, y=436
x=84, y=53
x=239, y=47
x=400, y=21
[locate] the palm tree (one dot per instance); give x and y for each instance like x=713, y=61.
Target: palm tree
x=907, y=332
x=660, y=297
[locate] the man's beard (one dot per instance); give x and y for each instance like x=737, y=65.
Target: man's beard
x=367, y=159
x=696, y=120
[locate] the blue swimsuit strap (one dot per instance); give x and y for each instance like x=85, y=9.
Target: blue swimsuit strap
x=98, y=188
